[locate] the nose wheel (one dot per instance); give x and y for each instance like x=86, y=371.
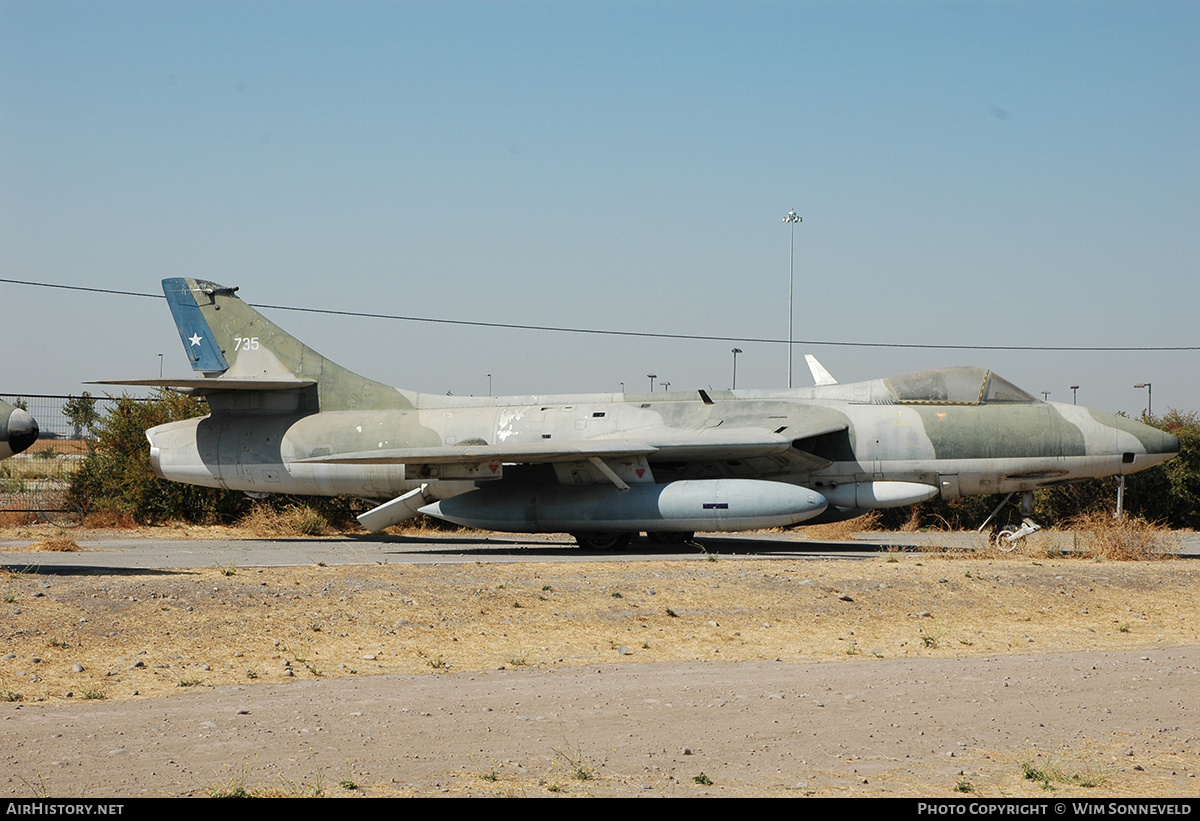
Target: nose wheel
x=1007, y=538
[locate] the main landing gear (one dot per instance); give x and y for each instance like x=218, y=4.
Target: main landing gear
x=1007, y=537
x=617, y=542
x=669, y=537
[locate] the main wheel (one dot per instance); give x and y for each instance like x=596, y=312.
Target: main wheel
x=603, y=541
x=668, y=537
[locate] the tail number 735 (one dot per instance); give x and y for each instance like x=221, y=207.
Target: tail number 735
x=245, y=343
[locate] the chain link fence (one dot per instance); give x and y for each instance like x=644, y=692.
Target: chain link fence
x=34, y=484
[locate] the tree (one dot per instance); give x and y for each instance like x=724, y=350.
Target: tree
x=80, y=412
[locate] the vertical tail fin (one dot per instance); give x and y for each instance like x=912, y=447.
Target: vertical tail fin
x=226, y=339
x=819, y=374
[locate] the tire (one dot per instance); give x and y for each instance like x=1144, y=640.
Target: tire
x=1004, y=540
x=614, y=542
x=669, y=537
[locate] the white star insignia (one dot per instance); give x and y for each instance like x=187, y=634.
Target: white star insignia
x=195, y=339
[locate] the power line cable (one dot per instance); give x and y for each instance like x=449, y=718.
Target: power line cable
x=643, y=334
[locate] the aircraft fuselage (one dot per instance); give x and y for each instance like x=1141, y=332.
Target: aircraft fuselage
x=954, y=450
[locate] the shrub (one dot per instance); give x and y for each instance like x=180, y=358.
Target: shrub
x=116, y=480
x=115, y=485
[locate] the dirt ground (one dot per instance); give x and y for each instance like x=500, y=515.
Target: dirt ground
x=903, y=674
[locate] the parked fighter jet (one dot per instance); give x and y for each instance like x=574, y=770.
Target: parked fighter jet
x=604, y=467
x=17, y=430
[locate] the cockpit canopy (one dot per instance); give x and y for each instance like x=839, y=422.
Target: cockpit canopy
x=961, y=385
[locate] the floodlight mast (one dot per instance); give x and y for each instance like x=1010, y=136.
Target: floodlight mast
x=1149, y=396
x=792, y=218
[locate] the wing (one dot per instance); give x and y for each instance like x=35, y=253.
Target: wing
x=770, y=452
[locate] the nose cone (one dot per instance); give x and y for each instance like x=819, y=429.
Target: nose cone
x=1161, y=442
x=1164, y=443
x=17, y=431
x=1155, y=442
x=1140, y=446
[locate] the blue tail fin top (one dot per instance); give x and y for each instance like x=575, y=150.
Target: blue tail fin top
x=198, y=340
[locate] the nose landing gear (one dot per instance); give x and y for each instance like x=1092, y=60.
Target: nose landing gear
x=1007, y=538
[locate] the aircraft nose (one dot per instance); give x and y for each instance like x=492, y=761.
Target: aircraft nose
x=21, y=430
x=1161, y=442
x=1139, y=444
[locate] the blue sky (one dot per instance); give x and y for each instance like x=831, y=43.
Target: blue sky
x=968, y=173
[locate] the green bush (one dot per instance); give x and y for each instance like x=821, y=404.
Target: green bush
x=116, y=477
x=116, y=482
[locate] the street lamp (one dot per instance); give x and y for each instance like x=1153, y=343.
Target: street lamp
x=489, y=384
x=792, y=218
x=652, y=377
x=1074, y=394
x=665, y=385
x=736, y=351
x=1149, y=397
x=1045, y=396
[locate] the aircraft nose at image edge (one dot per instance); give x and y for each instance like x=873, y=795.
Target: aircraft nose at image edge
x=18, y=430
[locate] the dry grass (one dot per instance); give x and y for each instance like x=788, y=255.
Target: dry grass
x=45, y=464
x=1103, y=537
x=294, y=520
x=838, y=531
x=109, y=518
x=56, y=544
x=914, y=521
x=10, y=519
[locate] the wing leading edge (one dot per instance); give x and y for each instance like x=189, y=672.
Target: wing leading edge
x=657, y=446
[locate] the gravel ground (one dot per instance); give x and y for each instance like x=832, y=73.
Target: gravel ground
x=899, y=674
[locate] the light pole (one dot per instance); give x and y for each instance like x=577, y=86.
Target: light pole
x=792, y=218
x=1074, y=394
x=1149, y=397
x=666, y=386
x=652, y=377
x=622, y=387
x=489, y=384
x=1045, y=396
x=736, y=351
x=160, y=366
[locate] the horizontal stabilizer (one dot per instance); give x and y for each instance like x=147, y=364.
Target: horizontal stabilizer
x=201, y=387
